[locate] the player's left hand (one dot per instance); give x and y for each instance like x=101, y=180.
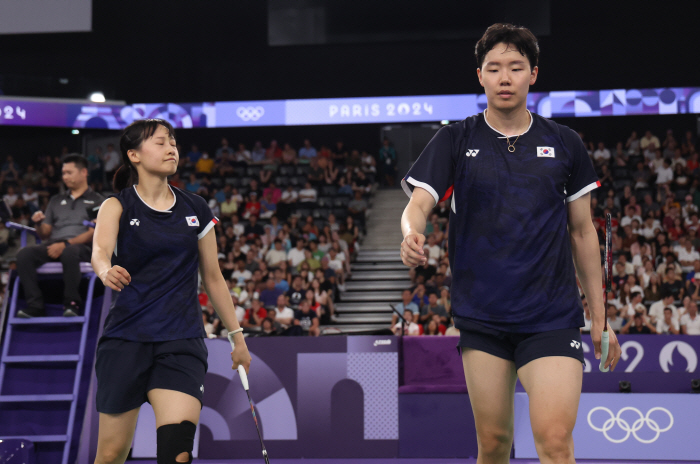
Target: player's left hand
x=614, y=351
x=240, y=355
x=55, y=250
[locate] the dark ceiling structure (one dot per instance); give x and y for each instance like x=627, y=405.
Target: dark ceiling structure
x=143, y=51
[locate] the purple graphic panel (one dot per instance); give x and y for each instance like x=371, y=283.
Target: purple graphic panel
x=624, y=426
x=434, y=362
x=416, y=108
x=327, y=397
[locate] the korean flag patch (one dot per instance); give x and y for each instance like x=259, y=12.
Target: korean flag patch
x=192, y=221
x=545, y=152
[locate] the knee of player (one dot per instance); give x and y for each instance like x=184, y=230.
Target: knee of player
x=111, y=455
x=554, y=441
x=175, y=442
x=495, y=441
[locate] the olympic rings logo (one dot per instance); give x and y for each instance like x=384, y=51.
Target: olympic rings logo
x=636, y=425
x=250, y=113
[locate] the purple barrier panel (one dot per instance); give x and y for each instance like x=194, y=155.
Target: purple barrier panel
x=624, y=426
x=437, y=425
x=433, y=363
x=314, y=398
x=650, y=353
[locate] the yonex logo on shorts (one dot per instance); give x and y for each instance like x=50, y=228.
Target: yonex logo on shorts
x=134, y=222
x=545, y=152
x=575, y=344
x=201, y=388
x=192, y=221
x=250, y=113
x=472, y=152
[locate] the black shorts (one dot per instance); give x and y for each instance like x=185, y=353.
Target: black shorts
x=127, y=371
x=521, y=348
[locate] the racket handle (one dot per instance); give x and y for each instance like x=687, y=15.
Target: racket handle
x=243, y=376
x=241, y=369
x=604, y=346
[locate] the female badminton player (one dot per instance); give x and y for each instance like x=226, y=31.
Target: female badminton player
x=520, y=187
x=149, y=242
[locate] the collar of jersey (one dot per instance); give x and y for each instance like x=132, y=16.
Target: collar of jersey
x=70, y=195
x=158, y=210
x=504, y=136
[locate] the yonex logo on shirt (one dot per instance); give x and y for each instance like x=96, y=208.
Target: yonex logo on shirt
x=472, y=152
x=134, y=222
x=546, y=152
x=192, y=221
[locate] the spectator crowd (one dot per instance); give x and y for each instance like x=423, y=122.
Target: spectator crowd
x=290, y=221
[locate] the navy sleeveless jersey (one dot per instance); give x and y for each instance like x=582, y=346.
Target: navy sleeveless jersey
x=509, y=248
x=160, y=251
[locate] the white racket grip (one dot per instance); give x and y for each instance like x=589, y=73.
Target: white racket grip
x=604, y=347
x=244, y=377
x=241, y=369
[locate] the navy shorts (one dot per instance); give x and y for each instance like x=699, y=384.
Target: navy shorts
x=127, y=371
x=521, y=348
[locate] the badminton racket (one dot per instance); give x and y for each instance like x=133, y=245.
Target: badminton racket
x=605, y=339
x=244, y=381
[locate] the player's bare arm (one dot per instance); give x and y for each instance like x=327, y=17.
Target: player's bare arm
x=413, y=221
x=586, y=254
x=104, y=241
x=220, y=296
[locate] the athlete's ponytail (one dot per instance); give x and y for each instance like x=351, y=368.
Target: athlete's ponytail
x=132, y=138
x=123, y=178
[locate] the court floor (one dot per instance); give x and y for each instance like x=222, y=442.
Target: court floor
x=404, y=461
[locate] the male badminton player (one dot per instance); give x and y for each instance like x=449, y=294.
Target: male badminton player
x=520, y=187
x=149, y=242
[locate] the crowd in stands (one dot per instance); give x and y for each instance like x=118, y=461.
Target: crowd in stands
x=651, y=188
x=290, y=221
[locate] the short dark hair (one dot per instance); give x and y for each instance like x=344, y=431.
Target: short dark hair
x=519, y=37
x=79, y=161
x=635, y=295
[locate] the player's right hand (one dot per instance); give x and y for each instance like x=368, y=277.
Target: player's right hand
x=240, y=355
x=115, y=278
x=412, y=253
x=38, y=216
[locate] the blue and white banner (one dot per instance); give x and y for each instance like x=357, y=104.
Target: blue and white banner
x=624, y=426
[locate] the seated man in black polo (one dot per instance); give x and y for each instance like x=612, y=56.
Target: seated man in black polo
x=64, y=238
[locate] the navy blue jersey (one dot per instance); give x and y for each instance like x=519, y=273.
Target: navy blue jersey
x=160, y=251
x=509, y=246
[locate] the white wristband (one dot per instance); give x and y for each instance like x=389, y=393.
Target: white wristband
x=230, y=337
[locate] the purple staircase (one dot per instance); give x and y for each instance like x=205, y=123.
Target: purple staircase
x=45, y=368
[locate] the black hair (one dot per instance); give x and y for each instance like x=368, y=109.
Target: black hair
x=79, y=161
x=635, y=295
x=131, y=139
x=519, y=37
